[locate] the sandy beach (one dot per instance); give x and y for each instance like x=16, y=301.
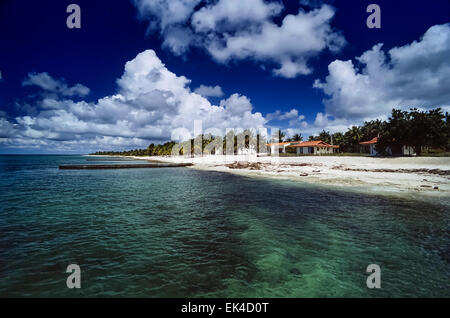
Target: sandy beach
x=430, y=175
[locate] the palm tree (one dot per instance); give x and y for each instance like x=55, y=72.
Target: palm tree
x=281, y=136
x=325, y=136
x=352, y=138
x=372, y=129
x=297, y=137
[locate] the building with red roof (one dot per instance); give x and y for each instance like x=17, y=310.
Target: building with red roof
x=316, y=147
x=371, y=144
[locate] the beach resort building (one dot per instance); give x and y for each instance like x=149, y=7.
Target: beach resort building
x=371, y=144
x=316, y=147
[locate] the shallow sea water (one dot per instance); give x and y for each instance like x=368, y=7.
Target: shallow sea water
x=180, y=232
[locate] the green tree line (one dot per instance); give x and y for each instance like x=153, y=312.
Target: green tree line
x=421, y=130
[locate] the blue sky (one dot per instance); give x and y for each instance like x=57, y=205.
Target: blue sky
x=300, y=65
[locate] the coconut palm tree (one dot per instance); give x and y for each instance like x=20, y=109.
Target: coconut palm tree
x=297, y=137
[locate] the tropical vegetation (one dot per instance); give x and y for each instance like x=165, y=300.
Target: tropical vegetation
x=424, y=131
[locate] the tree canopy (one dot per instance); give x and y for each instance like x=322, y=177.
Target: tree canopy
x=416, y=128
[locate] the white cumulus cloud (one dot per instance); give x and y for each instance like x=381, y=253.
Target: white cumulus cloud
x=231, y=14
x=151, y=102
x=209, y=91
x=413, y=75
x=290, y=45
x=292, y=116
x=245, y=30
x=49, y=84
x=163, y=14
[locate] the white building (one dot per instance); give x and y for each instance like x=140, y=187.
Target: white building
x=316, y=147
x=405, y=150
x=371, y=144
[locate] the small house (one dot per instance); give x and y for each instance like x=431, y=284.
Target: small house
x=316, y=147
x=371, y=145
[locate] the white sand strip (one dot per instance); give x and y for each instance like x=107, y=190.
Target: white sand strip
x=428, y=175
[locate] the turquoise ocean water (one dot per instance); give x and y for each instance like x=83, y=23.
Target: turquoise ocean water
x=179, y=232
